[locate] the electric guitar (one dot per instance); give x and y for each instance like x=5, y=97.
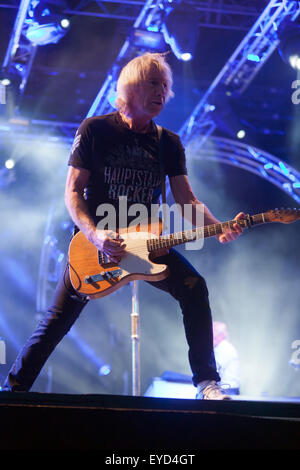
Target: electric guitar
x=93, y=275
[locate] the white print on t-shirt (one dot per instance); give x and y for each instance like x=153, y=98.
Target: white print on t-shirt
x=76, y=143
x=132, y=172
x=137, y=185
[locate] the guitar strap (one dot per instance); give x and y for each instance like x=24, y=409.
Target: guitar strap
x=162, y=173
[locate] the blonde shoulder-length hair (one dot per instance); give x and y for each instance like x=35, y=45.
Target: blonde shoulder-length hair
x=135, y=73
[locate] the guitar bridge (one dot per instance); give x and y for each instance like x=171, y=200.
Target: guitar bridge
x=111, y=275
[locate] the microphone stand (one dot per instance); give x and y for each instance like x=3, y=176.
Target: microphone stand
x=135, y=341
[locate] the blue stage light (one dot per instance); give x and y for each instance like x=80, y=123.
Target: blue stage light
x=102, y=367
x=148, y=39
x=5, y=81
x=9, y=85
x=48, y=24
x=294, y=61
x=241, y=134
x=186, y=56
x=289, y=47
x=181, y=54
x=104, y=370
x=253, y=58
x=112, y=97
x=181, y=32
x=268, y=166
x=284, y=168
x=10, y=163
x=45, y=34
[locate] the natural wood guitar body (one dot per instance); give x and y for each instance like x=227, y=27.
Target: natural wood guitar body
x=92, y=277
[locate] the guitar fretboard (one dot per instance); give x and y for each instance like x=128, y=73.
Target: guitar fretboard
x=178, y=238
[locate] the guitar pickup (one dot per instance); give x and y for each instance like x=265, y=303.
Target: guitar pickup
x=103, y=276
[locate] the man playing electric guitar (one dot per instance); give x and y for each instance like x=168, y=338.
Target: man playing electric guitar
x=118, y=155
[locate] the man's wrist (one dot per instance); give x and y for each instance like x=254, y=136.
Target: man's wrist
x=91, y=233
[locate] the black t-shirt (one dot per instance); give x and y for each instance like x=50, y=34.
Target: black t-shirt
x=123, y=162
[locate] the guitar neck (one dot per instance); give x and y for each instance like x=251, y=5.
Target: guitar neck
x=178, y=238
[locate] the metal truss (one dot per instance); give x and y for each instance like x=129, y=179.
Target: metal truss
x=20, y=53
x=52, y=261
x=239, y=71
x=220, y=14
x=19, y=58
x=251, y=159
x=235, y=77
x=226, y=14
x=124, y=10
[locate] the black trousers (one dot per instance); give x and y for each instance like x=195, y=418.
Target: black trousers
x=184, y=283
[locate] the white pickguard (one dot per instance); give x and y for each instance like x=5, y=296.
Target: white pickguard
x=136, y=257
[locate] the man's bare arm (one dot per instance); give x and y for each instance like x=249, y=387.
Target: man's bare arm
x=105, y=240
x=77, y=179
x=183, y=194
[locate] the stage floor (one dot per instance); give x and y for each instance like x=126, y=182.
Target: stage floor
x=37, y=421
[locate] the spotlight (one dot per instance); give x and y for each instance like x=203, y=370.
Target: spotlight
x=241, y=134
x=104, y=370
x=148, y=40
x=65, y=23
x=186, y=56
x=48, y=24
x=289, y=47
x=223, y=112
x=9, y=77
x=5, y=81
x=10, y=163
x=181, y=32
x=294, y=61
x=9, y=92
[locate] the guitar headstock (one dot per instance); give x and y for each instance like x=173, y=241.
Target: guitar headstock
x=284, y=216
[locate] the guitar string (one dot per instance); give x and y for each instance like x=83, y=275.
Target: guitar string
x=182, y=238
x=214, y=228
x=157, y=243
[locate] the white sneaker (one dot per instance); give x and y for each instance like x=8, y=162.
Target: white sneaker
x=210, y=390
